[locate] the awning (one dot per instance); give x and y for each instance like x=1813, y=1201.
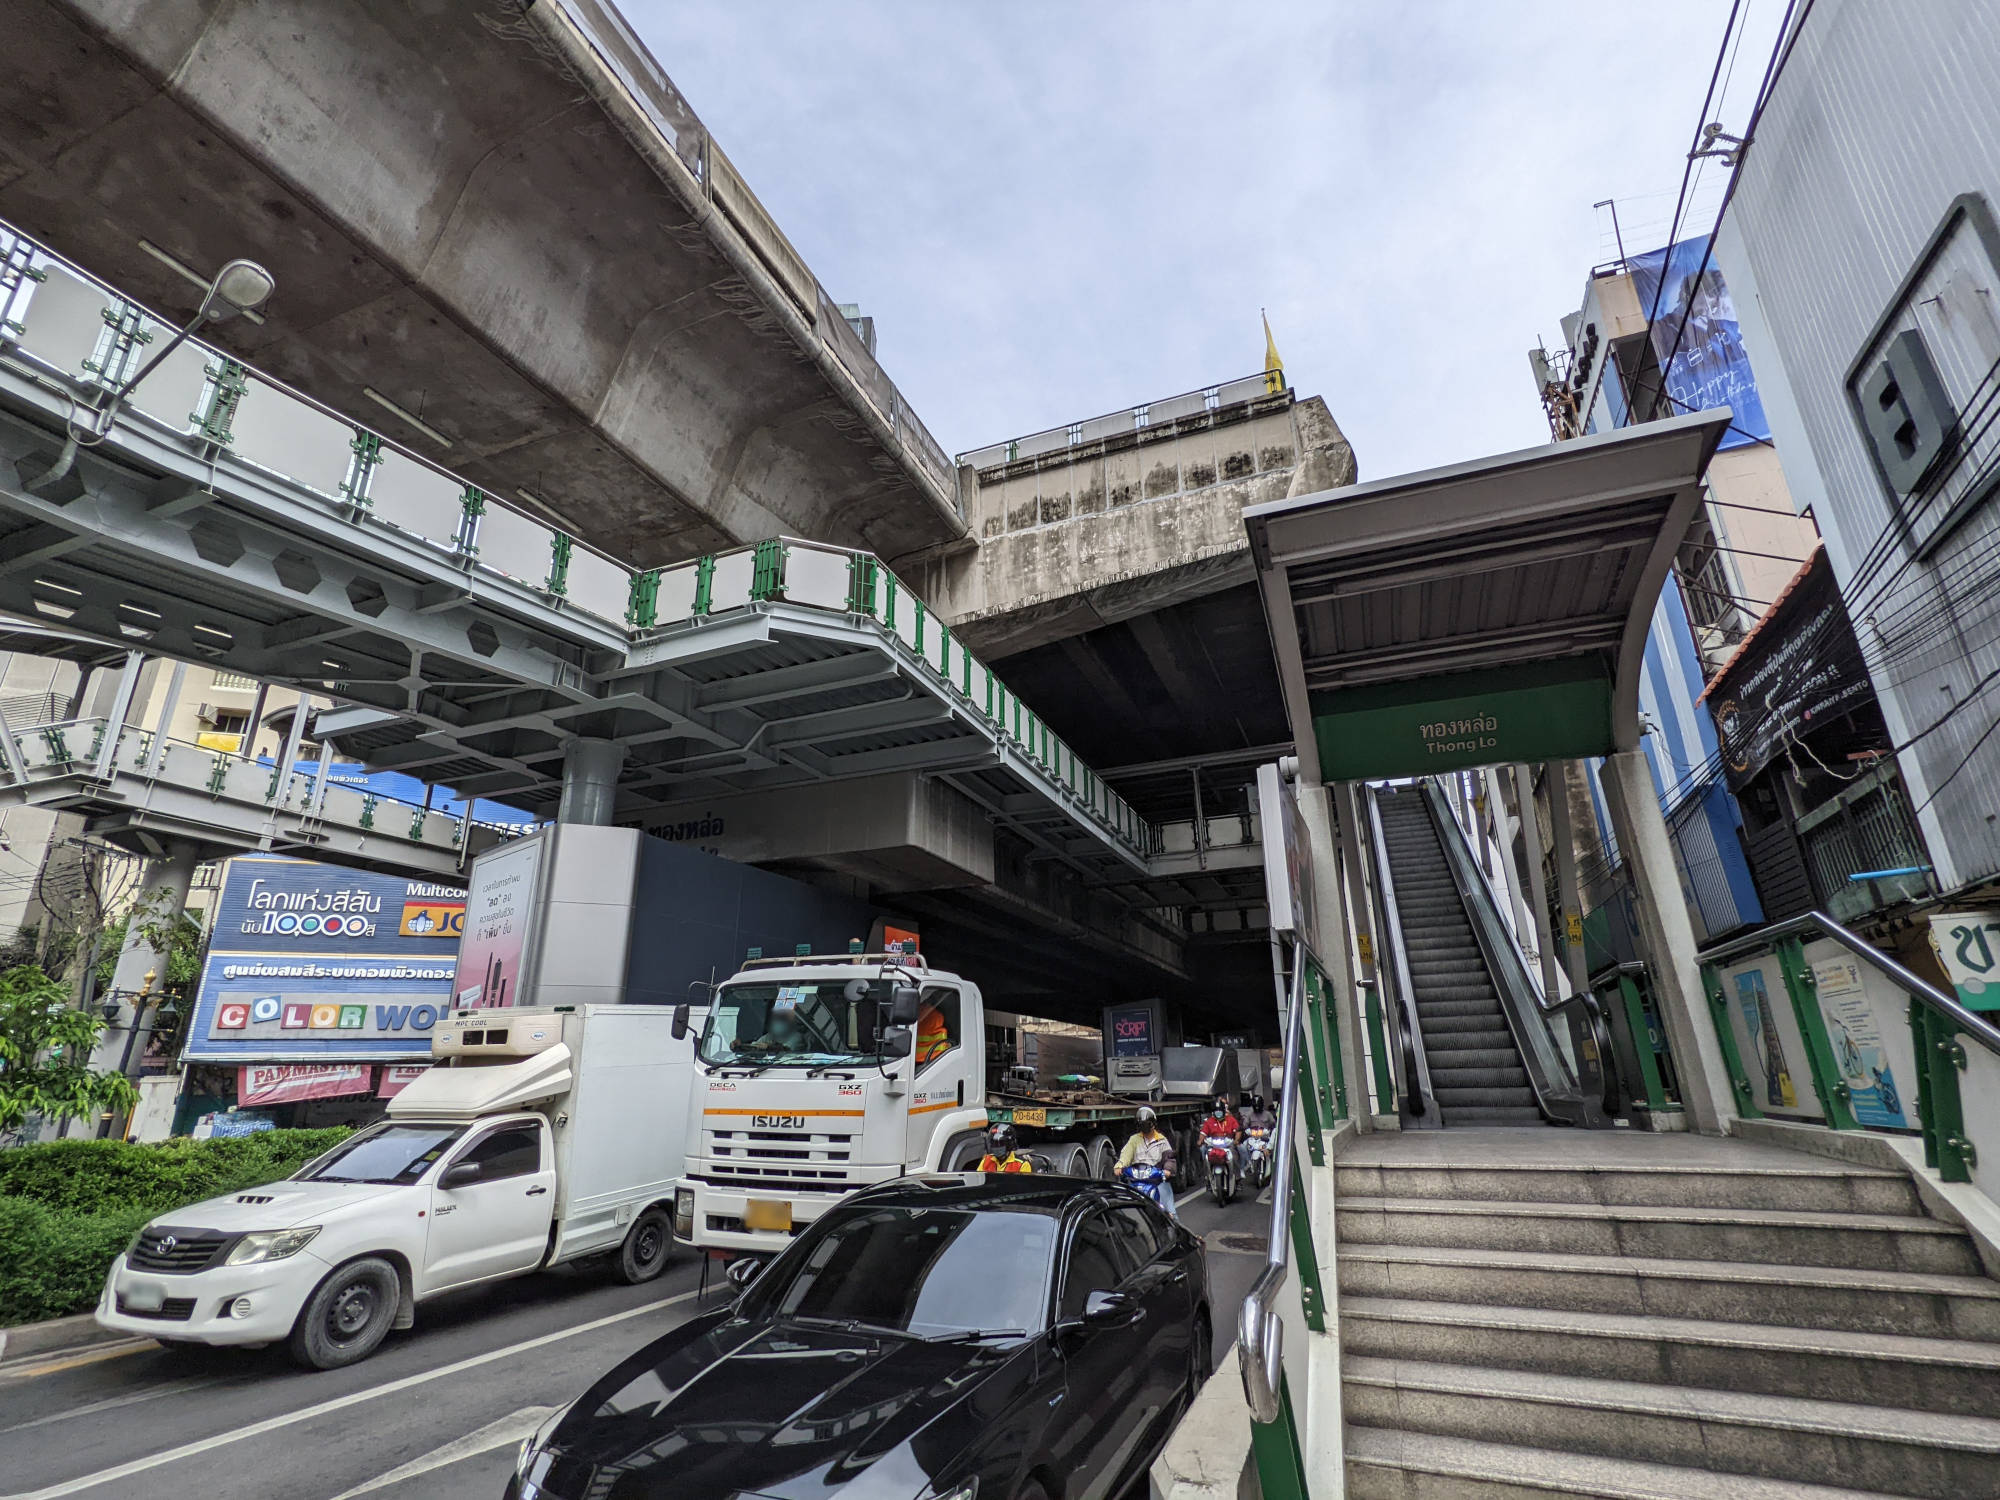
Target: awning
x=1480, y=614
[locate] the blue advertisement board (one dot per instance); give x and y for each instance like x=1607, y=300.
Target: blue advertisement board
x=1710, y=367
x=315, y=963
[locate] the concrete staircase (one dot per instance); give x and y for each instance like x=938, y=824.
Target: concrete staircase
x=1476, y=1072
x=1564, y=1314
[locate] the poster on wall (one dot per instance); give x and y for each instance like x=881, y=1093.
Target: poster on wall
x=285, y=1083
x=1761, y=1022
x=313, y=963
x=1697, y=330
x=498, y=910
x=1967, y=944
x=1856, y=1039
x=1288, y=879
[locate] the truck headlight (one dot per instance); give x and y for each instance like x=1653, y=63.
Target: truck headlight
x=276, y=1244
x=684, y=1213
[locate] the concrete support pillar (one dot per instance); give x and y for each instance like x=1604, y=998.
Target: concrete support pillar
x=1568, y=892
x=590, y=781
x=1538, y=887
x=1669, y=938
x=1316, y=811
x=161, y=901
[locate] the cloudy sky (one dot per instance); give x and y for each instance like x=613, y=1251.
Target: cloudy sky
x=1054, y=210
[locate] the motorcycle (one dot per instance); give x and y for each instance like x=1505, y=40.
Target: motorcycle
x=1151, y=1182
x=1221, y=1154
x=1257, y=1159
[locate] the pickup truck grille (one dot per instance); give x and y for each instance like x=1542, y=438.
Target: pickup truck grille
x=177, y=1251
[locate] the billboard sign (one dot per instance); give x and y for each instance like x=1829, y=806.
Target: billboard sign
x=498, y=912
x=282, y=1083
x=1710, y=367
x=1288, y=883
x=311, y=963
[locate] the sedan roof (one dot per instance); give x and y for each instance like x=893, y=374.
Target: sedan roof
x=1046, y=1192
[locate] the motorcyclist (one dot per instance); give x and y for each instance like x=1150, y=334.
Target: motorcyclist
x=1150, y=1147
x=1220, y=1123
x=1003, y=1151
x=1257, y=1117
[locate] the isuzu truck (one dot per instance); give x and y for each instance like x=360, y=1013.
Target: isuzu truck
x=536, y=1137
x=816, y=1076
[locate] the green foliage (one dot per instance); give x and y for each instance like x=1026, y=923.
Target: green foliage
x=68, y=1207
x=179, y=938
x=45, y=1048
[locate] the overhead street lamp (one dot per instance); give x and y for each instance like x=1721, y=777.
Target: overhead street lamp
x=241, y=286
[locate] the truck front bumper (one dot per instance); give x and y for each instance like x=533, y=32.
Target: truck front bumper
x=720, y=1214
x=255, y=1304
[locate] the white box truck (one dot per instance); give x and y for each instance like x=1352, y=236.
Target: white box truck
x=536, y=1137
x=816, y=1076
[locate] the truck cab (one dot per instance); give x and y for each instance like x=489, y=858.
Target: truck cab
x=818, y=1075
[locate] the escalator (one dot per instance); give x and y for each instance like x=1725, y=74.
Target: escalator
x=1478, y=1044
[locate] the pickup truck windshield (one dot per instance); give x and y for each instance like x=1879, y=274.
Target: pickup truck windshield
x=804, y=1024
x=388, y=1153
x=925, y=1271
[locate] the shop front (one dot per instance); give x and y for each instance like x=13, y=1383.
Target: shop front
x=317, y=997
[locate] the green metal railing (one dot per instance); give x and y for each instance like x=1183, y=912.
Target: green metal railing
x=1852, y=1044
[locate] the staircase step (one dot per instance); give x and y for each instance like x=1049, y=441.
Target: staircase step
x=1815, y=1185
x=1775, y=1437
x=1930, y=1375
x=1387, y=1465
x=1490, y=1114
x=1789, y=1237
x=1893, y=1302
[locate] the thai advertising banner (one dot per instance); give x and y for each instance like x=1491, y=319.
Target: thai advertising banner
x=1967, y=944
x=1855, y=1035
x=288, y=1083
x=1697, y=329
x=314, y=963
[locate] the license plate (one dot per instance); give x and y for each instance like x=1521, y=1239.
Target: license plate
x=139, y=1297
x=1031, y=1117
x=777, y=1122
x=761, y=1214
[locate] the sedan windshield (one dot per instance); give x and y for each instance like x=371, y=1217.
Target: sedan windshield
x=805, y=1024
x=925, y=1271
x=389, y=1153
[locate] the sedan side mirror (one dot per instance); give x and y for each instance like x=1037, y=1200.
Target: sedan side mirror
x=680, y=1028
x=1105, y=1309
x=743, y=1271
x=460, y=1174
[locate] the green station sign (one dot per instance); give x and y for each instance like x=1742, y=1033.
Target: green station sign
x=1552, y=710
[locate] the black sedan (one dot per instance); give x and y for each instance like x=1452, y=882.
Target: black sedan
x=934, y=1338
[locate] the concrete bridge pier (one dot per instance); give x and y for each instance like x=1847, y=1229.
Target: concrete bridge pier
x=590, y=781
x=162, y=899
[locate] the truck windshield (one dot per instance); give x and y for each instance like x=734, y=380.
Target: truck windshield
x=388, y=1153
x=925, y=1271
x=803, y=1024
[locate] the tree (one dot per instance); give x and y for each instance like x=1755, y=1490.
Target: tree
x=45, y=1048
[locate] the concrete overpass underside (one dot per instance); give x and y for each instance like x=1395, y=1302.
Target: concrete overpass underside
x=498, y=231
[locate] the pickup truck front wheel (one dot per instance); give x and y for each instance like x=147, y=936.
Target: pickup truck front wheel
x=644, y=1253
x=347, y=1316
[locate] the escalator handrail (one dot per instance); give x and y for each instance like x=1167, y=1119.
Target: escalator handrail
x=1559, y=1088
x=1416, y=1067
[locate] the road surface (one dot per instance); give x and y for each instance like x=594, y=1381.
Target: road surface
x=437, y=1414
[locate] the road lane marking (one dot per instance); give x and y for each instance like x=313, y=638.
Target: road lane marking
x=110, y=1403
x=338, y=1403
x=56, y=1364
x=510, y=1429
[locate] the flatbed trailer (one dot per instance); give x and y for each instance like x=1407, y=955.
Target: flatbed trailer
x=1084, y=1139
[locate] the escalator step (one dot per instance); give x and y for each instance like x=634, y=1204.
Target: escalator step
x=1473, y=1034
x=1481, y=1002
x=1445, y=1059
x=1493, y=1095
x=1489, y=1115
x=1457, y=1080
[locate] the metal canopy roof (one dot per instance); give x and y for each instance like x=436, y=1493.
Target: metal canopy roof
x=1445, y=578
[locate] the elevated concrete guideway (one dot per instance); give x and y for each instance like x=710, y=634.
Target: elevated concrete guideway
x=499, y=231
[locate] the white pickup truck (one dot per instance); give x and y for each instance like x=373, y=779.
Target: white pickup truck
x=537, y=1137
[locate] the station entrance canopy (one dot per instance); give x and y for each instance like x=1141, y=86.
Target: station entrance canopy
x=1490, y=612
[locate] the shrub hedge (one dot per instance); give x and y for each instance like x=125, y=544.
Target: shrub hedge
x=68, y=1207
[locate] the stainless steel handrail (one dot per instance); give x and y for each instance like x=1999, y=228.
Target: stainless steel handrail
x=1970, y=1022
x=1260, y=1338
x=1416, y=1088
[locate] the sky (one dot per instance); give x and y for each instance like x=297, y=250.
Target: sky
x=1054, y=211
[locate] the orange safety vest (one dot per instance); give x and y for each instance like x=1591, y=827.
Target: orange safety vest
x=933, y=1040
x=992, y=1163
